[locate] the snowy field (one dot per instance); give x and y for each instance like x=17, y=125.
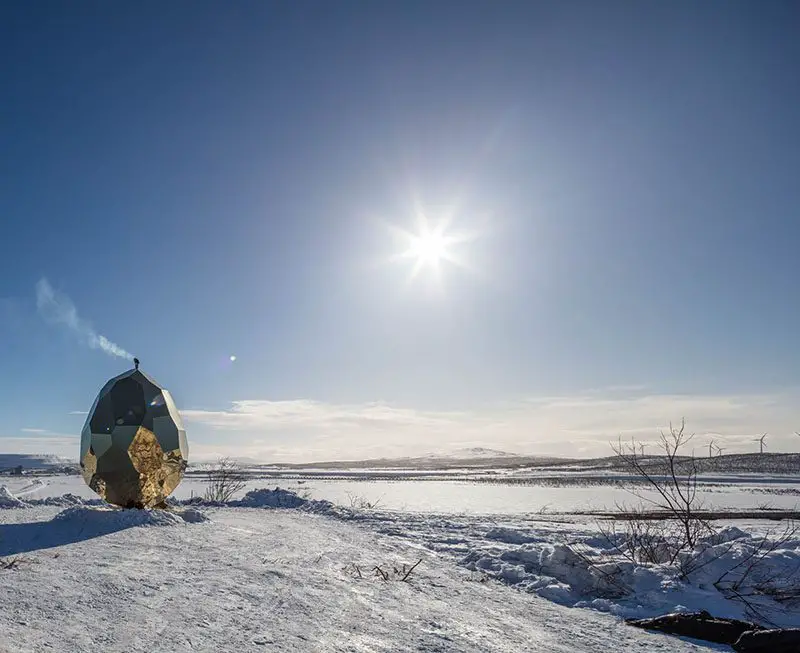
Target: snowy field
x=503, y=568
x=254, y=579
x=473, y=498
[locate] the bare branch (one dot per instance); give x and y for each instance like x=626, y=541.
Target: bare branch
x=225, y=479
x=413, y=567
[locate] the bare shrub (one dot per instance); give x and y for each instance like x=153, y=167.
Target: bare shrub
x=641, y=541
x=13, y=563
x=358, y=502
x=385, y=572
x=225, y=479
x=635, y=536
x=674, y=532
x=673, y=479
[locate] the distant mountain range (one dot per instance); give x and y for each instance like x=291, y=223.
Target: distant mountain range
x=472, y=457
x=480, y=458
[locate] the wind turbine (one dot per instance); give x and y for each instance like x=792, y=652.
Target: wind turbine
x=719, y=450
x=710, y=445
x=760, y=440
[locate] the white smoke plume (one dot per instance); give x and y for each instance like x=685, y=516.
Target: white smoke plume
x=57, y=308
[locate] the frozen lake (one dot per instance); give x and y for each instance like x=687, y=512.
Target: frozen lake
x=462, y=496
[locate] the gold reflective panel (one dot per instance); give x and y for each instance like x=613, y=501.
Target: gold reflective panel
x=89, y=466
x=133, y=439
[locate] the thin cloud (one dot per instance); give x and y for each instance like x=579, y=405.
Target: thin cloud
x=63, y=446
x=571, y=426
x=57, y=308
x=250, y=414
x=563, y=426
x=39, y=432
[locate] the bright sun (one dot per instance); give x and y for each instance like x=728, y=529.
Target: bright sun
x=430, y=246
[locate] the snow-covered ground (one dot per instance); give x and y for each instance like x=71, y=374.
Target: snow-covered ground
x=570, y=561
x=304, y=578
x=250, y=579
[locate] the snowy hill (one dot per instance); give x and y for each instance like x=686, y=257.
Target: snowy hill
x=472, y=453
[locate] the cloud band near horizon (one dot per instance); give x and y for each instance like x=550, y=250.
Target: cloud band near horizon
x=577, y=426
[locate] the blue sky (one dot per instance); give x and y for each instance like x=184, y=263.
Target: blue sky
x=200, y=179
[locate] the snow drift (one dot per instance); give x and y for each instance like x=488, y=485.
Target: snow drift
x=8, y=500
x=732, y=574
x=92, y=518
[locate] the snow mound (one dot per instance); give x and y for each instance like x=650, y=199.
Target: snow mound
x=192, y=516
x=728, y=534
x=8, y=500
x=277, y=498
x=509, y=535
x=65, y=500
x=266, y=498
x=591, y=572
x=118, y=519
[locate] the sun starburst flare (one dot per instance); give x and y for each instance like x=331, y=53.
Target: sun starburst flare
x=430, y=246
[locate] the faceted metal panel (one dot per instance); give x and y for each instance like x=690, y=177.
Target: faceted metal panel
x=133, y=444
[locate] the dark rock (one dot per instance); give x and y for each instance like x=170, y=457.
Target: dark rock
x=785, y=640
x=698, y=625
